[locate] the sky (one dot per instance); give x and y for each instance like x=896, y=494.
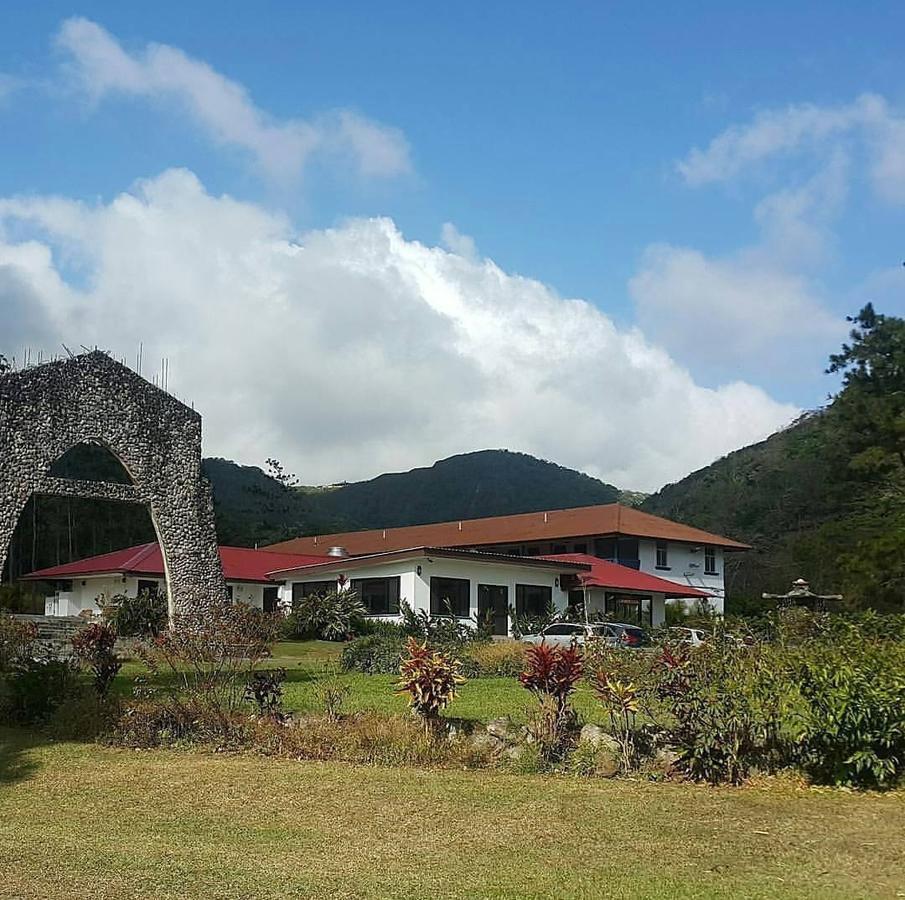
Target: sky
x=621, y=237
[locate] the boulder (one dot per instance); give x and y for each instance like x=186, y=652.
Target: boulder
x=486, y=743
x=499, y=728
x=598, y=738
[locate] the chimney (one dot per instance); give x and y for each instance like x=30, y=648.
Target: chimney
x=341, y=552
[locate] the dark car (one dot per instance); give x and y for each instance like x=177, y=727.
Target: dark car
x=630, y=636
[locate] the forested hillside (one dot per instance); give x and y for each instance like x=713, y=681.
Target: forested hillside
x=824, y=499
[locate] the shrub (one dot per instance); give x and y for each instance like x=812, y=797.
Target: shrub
x=209, y=659
x=375, y=654
x=724, y=704
x=850, y=724
x=620, y=700
x=17, y=642
x=141, y=616
x=443, y=632
x=265, y=690
x=497, y=658
x=551, y=674
x=36, y=689
x=531, y=624
x=331, y=616
x=430, y=679
x=94, y=646
x=331, y=692
x=84, y=715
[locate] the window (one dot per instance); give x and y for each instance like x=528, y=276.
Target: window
x=662, y=555
x=580, y=548
x=151, y=588
x=559, y=548
x=563, y=629
x=229, y=593
x=710, y=561
x=532, y=599
x=380, y=596
x=451, y=595
x=514, y=551
x=271, y=598
x=302, y=589
x=532, y=551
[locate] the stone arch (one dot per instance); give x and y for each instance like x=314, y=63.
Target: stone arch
x=47, y=409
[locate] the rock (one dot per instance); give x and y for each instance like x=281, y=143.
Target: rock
x=486, y=743
x=514, y=753
x=598, y=738
x=499, y=728
x=665, y=762
x=606, y=763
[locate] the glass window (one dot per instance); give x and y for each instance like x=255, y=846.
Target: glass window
x=151, y=588
x=563, y=629
x=450, y=595
x=710, y=561
x=532, y=599
x=380, y=596
x=559, y=548
x=580, y=548
x=301, y=589
x=532, y=551
x=662, y=555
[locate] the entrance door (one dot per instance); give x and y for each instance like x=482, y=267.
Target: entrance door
x=493, y=603
x=271, y=598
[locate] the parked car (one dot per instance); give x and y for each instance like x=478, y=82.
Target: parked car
x=694, y=637
x=564, y=634
x=615, y=634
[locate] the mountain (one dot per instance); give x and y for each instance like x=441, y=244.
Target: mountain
x=253, y=508
x=468, y=486
x=799, y=502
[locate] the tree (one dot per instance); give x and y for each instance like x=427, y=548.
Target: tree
x=870, y=408
x=4, y=364
x=276, y=471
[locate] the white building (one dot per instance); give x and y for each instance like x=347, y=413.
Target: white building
x=689, y=557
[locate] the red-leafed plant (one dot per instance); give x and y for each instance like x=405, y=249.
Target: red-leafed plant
x=95, y=647
x=551, y=674
x=430, y=678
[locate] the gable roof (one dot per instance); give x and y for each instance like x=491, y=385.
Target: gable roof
x=611, y=575
x=239, y=564
x=583, y=521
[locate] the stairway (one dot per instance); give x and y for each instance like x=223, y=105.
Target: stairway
x=55, y=632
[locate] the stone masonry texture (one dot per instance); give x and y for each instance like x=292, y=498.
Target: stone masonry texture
x=47, y=409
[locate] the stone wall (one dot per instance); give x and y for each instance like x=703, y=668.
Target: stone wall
x=47, y=409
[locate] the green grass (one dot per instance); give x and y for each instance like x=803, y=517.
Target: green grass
x=85, y=821
x=306, y=662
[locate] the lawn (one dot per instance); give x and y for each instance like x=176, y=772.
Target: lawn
x=79, y=820
x=306, y=662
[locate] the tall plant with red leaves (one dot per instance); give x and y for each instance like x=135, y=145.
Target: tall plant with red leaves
x=551, y=674
x=95, y=646
x=430, y=678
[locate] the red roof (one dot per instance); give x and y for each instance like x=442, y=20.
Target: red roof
x=611, y=575
x=239, y=564
x=552, y=525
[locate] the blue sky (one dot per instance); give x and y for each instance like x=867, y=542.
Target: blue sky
x=558, y=141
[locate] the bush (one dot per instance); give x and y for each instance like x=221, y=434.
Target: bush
x=36, y=689
x=209, y=659
x=531, y=624
x=375, y=654
x=551, y=674
x=94, y=646
x=265, y=690
x=332, y=616
x=331, y=691
x=447, y=632
x=850, y=723
x=430, y=678
x=84, y=715
x=17, y=642
x=142, y=616
x=504, y=659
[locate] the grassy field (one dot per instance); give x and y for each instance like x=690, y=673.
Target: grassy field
x=90, y=822
x=306, y=662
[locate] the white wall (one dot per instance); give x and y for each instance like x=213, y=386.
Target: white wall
x=686, y=567
x=415, y=588
x=86, y=591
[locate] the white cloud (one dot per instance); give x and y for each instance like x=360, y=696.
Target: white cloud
x=869, y=122
x=456, y=242
x=223, y=109
x=351, y=351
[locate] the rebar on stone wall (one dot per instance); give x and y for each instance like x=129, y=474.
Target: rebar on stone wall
x=47, y=407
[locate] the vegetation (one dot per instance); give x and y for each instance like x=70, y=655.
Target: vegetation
x=551, y=674
x=94, y=647
x=824, y=498
x=430, y=678
x=144, y=615
x=331, y=616
x=431, y=832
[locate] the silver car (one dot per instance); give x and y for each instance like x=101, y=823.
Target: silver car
x=564, y=634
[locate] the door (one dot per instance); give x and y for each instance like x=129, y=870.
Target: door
x=493, y=605
x=271, y=597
